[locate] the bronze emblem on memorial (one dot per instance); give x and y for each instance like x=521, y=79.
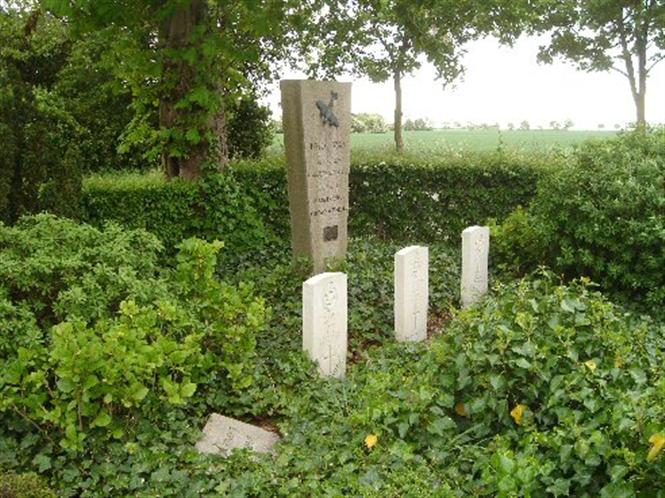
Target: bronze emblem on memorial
x=326, y=110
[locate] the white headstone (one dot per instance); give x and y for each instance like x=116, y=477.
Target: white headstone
x=221, y=435
x=411, y=293
x=324, y=311
x=475, y=252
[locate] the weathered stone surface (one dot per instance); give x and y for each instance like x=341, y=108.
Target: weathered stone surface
x=475, y=252
x=221, y=435
x=317, y=124
x=411, y=293
x=324, y=334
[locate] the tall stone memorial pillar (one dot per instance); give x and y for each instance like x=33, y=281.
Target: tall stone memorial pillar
x=317, y=124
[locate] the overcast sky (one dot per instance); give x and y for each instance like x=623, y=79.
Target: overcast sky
x=503, y=85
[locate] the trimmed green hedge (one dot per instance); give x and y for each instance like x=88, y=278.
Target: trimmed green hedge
x=415, y=199
x=215, y=209
x=397, y=198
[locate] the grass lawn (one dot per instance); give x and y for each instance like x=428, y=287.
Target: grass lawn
x=423, y=142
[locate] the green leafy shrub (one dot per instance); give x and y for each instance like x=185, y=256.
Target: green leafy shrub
x=573, y=387
x=94, y=333
x=601, y=215
x=517, y=245
x=57, y=269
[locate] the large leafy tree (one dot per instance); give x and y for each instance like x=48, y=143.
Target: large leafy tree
x=627, y=36
x=186, y=59
x=389, y=39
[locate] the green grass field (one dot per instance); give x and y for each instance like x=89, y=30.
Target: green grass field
x=440, y=141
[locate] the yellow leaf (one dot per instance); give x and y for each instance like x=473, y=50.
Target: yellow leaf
x=371, y=440
x=591, y=365
x=658, y=442
x=461, y=410
x=517, y=413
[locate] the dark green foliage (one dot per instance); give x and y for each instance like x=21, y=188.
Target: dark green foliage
x=40, y=169
x=102, y=106
x=250, y=129
x=28, y=485
x=601, y=215
x=41, y=65
x=7, y=164
x=42, y=164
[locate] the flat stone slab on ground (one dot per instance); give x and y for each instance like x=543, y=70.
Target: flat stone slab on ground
x=222, y=435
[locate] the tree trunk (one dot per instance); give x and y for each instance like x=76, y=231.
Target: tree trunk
x=640, y=109
x=179, y=77
x=640, y=100
x=399, y=141
x=636, y=79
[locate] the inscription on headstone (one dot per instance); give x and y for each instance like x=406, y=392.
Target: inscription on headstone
x=324, y=313
x=222, y=435
x=475, y=253
x=411, y=293
x=317, y=123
